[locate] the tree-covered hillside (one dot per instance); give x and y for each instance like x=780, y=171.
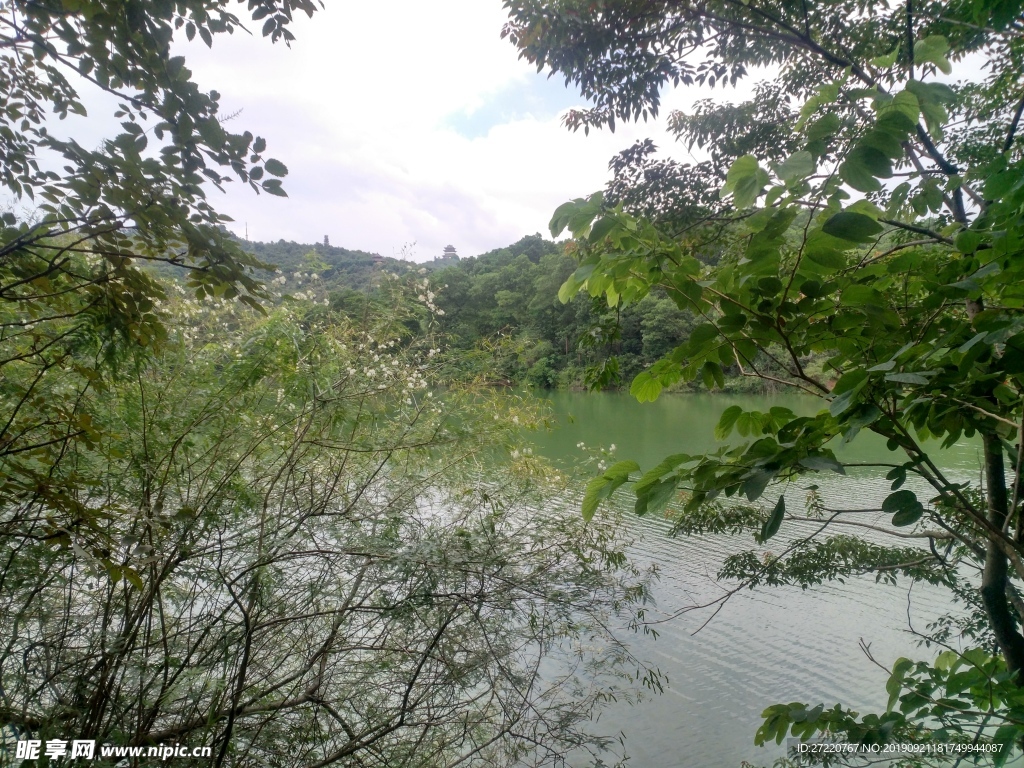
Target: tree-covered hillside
x=505, y=300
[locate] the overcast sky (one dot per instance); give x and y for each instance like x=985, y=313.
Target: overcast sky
x=406, y=122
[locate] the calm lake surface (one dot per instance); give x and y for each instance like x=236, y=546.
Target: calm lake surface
x=764, y=647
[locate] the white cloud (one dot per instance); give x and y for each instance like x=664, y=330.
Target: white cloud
x=404, y=121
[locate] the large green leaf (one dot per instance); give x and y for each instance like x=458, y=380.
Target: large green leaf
x=933, y=50
x=666, y=465
x=645, y=387
x=727, y=421
x=774, y=522
x=822, y=464
x=853, y=227
x=602, y=486
x=855, y=173
x=864, y=166
x=904, y=507
x=276, y=167
x=799, y=165
x=823, y=127
x=745, y=180
x=655, y=497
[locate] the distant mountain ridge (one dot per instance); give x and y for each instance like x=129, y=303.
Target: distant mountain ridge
x=354, y=269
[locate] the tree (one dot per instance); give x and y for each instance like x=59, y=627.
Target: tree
x=317, y=573
x=73, y=298
x=866, y=242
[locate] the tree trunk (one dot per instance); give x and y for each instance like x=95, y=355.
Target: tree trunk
x=994, y=581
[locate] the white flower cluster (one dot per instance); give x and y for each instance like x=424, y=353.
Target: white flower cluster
x=427, y=296
x=383, y=366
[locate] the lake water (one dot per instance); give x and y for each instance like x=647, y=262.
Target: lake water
x=766, y=646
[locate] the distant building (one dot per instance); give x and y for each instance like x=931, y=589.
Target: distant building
x=449, y=253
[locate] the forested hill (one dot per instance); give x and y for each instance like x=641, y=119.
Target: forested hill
x=337, y=267
x=506, y=299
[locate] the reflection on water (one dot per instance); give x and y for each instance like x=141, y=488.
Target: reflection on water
x=763, y=647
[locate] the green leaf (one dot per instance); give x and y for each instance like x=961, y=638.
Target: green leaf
x=894, y=685
x=904, y=507
x=852, y=227
x=701, y=337
x=824, y=255
x=968, y=241
x=712, y=375
x=907, y=378
x=823, y=127
x=656, y=497
x=887, y=143
x=1000, y=185
x=842, y=402
x=897, y=199
x=898, y=475
x=774, y=522
x=822, y=464
x=726, y=421
x=858, y=295
x=273, y=187
x=651, y=477
x=799, y=165
x=601, y=228
x=132, y=576
x=645, y=387
x=560, y=218
x=865, y=415
x=867, y=159
x=602, y=486
x=933, y=50
x=275, y=167
x=593, y=495
x=567, y=290
x=754, y=485
x=887, y=60
x=855, y=173
x=904, y=105
x=745, y=180
x=620, y=471
x=1006, y=737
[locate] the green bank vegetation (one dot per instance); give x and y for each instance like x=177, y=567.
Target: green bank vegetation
x=240, y=519
x=235, y=511
x=865, y=205
x=500, y=310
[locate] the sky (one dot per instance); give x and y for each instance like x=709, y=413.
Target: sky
x=407, y=126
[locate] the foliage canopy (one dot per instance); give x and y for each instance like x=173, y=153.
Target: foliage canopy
x=262, y=534
x=859, y=225
x=81, y=221
x=300, y=563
